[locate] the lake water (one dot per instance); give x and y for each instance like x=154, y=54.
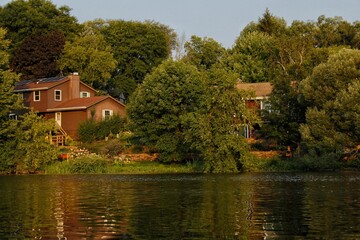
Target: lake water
x=239, y=206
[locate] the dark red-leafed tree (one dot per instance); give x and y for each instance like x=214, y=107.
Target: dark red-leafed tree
x=37, y=56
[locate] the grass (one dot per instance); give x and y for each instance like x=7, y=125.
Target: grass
x=97, y=165
x=150, y=168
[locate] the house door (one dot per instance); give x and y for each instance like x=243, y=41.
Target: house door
x=58, y=118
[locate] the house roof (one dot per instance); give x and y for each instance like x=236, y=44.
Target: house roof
x=39, y=84
x=81, y=103
x=42, y=84
x=262, y=89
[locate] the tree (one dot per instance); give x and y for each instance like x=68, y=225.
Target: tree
x=23, y=18
x=31, y=137
x=270, y=24
x=203, y=53
x=330, y=77
x=8, y=99
x=333, y=116
x=215, y=129
x=91, y=56
x=23, y=144
x=333, y=32
x=188, y=114
x=250, y=57
x=156, y=109
x=138, y=48
x=285, y=115
x=37, y=55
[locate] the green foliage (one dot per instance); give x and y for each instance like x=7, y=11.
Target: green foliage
x=285, y=116
x=33, y=144
x=157, y=106
x=138, y=47
x=214, y=130
x=10, y=102
x=332, y=121
x=271, y=24
x=96, y=165
x=187, y=114
x=334, y=31
x=203, y=53
x=250, y=57
x=91, y=56
x=27, y=147
x=111, y=148
x=36, y=56
x=330, y=77
x=89, y=164
x=91, y=130
x=313, y=162
x=24, y=18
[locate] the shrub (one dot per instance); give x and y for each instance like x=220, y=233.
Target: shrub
x=91, y=130
x=87, y=131
x=89, y=164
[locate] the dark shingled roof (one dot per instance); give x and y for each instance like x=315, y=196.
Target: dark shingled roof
x=43, y=83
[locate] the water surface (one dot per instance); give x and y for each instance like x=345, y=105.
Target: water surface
x=238, y=206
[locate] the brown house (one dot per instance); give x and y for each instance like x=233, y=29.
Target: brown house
x=67, y=100
x=261, y=92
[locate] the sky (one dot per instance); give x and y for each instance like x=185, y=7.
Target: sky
x=222, y=20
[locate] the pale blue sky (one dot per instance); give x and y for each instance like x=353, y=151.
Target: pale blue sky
x=222, y=20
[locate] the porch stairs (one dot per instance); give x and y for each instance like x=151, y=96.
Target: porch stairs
x=59, y=137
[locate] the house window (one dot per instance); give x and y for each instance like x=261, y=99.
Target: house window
x=84, y=94
x=13, y=116
x=57, y=95
x=106, y=114
x=36, y=96
x=265, y=105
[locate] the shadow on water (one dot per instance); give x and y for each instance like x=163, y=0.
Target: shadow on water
x=238, y=206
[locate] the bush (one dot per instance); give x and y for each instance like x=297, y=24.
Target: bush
x=91, y=130
x=89, y=164
x=312, y=162
x=80, y=165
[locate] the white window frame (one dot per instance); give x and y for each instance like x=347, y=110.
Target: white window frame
x=104, y=116
x=37, y=95
x=13, y=116
x=87, y=94
x=60, y=95
x=58, y=118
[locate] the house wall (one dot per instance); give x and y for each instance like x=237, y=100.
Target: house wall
x=27, y=98
x=109, y=104
x=64, y=94
x=253, y=104
x=39, y=106
x=84, y=88
x=71, y=120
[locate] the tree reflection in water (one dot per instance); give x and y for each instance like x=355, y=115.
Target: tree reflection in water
x=236, y=206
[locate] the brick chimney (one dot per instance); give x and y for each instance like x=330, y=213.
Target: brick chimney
x=74, y=86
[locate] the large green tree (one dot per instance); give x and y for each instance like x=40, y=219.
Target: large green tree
x=8, y=99
x=203, y=53
x=215, y=129
x=190, y=114
x=23, y=143
x=158, y=105
x=250, y=57
x=91, y=56
x=332, y=120
x=138, y=48
x=23, y=18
